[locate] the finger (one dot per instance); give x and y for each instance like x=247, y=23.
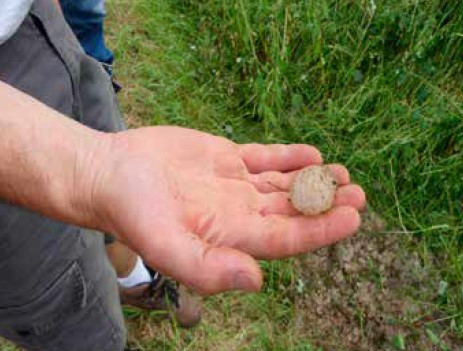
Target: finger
x=276, y=236
x=261, y=158
x=277, y=203
x=340, y=172
x=268, y=182
x=350, y=195
x=205, y=269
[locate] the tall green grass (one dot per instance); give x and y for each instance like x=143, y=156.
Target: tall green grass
x=373, y=84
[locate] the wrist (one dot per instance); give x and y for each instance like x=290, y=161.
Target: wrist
x=50, y=163
x=92, y=158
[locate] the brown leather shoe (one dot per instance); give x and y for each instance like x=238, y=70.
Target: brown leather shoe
x=165, y=296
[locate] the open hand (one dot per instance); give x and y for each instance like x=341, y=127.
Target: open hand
x=201, y=208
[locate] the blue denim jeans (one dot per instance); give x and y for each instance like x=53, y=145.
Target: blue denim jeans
x=86, y=18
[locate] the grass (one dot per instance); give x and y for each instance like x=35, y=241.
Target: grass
x=373, y=84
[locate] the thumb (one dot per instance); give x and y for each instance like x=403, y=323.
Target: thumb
x=204, y=268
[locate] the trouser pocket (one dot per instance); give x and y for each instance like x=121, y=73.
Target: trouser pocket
x=69, y=315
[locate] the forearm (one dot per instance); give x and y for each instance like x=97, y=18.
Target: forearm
x=46, y=158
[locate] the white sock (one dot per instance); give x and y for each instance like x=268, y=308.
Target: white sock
x=139, y=275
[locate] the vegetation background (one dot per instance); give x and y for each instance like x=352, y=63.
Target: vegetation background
x=374, y=84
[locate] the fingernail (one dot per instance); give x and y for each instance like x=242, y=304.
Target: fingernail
x=243, y=281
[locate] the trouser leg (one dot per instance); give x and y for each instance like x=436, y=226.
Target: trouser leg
x=76, y=310
x=57, y=289
x=86, y=18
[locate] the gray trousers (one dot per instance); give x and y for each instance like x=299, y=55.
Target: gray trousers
x=58, y=291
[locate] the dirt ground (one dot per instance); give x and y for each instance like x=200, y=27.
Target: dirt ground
x=365, y=293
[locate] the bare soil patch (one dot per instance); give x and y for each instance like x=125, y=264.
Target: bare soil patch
x=368, y=293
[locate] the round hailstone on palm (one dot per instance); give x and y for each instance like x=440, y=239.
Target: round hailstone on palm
x=313, y=190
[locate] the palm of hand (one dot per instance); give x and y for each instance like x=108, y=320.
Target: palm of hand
x=197, y=207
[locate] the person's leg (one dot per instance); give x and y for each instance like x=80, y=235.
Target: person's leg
x=122, y=258
x=57, y=289
x=74, y=306
x=86, y=18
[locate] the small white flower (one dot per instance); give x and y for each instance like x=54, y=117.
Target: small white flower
x=300, y=286
x=239, y=59
x=373, y=6
x=193, y=47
